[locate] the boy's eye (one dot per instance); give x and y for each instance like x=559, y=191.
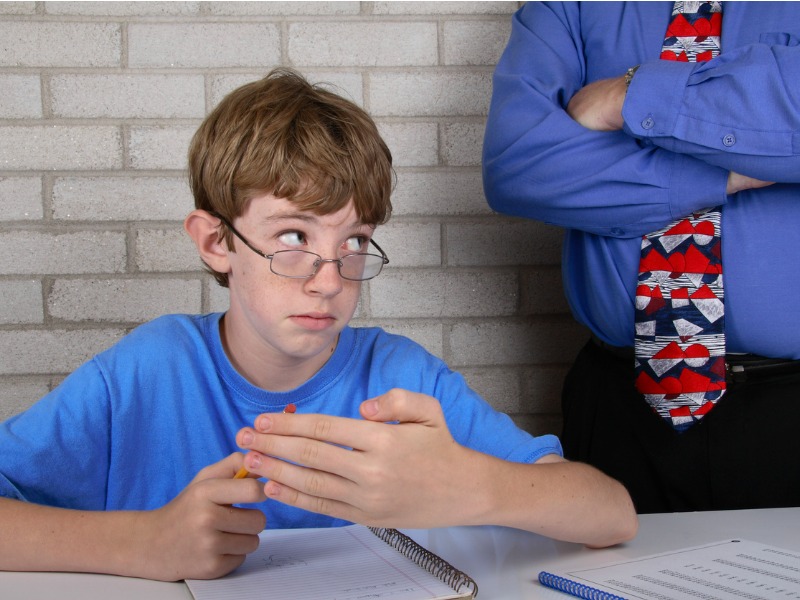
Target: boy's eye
x=357, y=243
x=292, y=238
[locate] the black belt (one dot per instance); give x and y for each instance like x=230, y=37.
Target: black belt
x=740, y=367
x=746, y=367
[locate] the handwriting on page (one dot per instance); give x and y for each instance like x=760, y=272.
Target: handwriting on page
x=278, y=561
x=380, y=590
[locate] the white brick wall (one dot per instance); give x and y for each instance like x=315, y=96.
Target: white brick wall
x=99, y=100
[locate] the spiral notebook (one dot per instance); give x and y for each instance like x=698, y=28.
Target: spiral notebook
x=342, y=563
x=723, y=570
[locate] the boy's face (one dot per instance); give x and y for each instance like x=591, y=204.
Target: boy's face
x=275, y=322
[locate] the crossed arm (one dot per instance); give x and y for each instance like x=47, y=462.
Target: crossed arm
x=598, y=106
x=413, y=474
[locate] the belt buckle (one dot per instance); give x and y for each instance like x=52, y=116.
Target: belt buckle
x=736, y=373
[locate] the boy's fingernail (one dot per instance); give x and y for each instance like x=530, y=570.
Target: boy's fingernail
x=253, y=461
x=247, y=438
x=371, y=407
x=264, y=423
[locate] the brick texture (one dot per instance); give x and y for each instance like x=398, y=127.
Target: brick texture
x=100, y=100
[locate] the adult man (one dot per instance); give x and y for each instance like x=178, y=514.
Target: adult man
x=591, y=131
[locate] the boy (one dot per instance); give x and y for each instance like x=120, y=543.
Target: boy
x=128, y=467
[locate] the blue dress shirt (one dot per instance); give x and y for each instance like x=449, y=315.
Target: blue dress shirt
x=686, y=126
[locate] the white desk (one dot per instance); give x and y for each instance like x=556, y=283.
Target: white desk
x=504, y=562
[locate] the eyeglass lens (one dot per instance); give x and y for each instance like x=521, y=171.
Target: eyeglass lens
x=299, y=263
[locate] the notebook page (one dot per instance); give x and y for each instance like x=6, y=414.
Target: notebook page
x=345, y=563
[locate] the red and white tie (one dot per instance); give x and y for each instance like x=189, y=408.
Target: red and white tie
x=680, y=337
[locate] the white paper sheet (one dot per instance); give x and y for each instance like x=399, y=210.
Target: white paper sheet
x=727, y=570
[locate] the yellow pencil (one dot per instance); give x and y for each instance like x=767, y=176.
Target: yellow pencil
x=242, y=473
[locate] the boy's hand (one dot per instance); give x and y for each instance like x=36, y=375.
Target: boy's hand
x=406, y=474
x=199, y=534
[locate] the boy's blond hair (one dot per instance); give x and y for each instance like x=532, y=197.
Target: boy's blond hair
x=283, y=136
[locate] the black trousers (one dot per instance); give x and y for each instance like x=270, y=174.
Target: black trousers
x=744, y=454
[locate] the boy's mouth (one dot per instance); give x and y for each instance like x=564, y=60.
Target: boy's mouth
x=314, y=321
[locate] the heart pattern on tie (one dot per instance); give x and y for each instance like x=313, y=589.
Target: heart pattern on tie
x=679, y=305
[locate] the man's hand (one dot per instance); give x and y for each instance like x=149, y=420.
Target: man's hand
x=199, y=534
x=738, y=183
x=598, y=106
x=405, y=474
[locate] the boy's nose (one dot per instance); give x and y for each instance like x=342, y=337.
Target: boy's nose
x=326, y=280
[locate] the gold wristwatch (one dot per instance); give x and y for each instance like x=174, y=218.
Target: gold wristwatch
x=629, y=76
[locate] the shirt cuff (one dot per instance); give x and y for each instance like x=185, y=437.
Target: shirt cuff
x=695, y=185
x=654, y=97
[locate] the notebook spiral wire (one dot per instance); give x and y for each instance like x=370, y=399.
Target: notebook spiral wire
x=429, y=561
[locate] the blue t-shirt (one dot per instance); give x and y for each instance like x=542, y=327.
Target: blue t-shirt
x=129, y=429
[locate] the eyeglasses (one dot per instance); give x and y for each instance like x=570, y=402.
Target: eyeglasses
x=300, y=264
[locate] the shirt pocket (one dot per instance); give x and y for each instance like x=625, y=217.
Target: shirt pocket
x=777, y=38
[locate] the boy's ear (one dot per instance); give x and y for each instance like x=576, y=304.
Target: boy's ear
x=203, y=228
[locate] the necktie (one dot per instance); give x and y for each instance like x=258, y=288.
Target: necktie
x=679, y=312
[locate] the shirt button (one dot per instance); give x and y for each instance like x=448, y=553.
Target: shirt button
x=729, y=140
x=648, y=123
